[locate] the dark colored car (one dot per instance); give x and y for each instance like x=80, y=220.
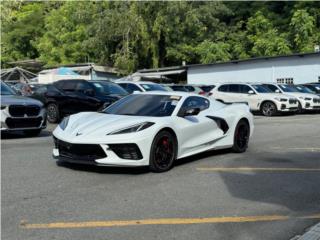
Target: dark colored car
x=67, y=97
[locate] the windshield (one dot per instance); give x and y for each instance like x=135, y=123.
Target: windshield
x=304, y=89
x=6, y=90
x=288, y=88
x=261, y=89
x=109, y=88
x=144, y=105
x=152, y=87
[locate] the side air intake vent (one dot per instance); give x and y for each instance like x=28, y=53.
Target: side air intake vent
x=222, y=124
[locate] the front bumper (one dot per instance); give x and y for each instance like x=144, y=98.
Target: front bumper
x=10, y=123
x=121, y=153
x=287, y=106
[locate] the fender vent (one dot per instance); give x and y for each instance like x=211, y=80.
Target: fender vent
x=222, y=124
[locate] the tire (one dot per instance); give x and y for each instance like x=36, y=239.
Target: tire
x=241, y=137
x=163, y=152
x=32, y=133
x=268, y=109
x=53, y=115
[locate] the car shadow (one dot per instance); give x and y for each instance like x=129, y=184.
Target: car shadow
x=297, y=191
x=137, y=170
x=203, y=155
x=20, y=134
x=103, y=169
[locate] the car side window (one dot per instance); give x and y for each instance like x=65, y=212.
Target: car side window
x=245, y=89
x=234, y=88
x=41, y=90
x=179, y=88
x=272, y=87
x=223, y=88
x=69, y=86
x=196, y=102
x=82, y=87
x=132, y=87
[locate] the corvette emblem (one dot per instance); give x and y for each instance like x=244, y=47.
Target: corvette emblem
x=78, y=134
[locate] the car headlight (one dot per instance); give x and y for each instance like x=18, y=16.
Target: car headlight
x=308, y=99
x=281, y=99
x=64, y=123
x=132, y=129
x=3, y=107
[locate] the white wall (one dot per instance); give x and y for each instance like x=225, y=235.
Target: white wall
x=49, y=78
x=301, y=69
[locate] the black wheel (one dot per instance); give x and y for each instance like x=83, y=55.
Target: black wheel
x=163, y=152
x=241, y=137
x=32, y=133
x=53, y=115
x=268, y=109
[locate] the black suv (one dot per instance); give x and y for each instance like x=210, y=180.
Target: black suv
x=67, y=97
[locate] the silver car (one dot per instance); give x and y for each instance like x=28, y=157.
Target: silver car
x=21, y=113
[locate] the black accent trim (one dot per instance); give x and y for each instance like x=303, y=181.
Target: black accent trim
x=22, y=110
x=16, y=123
x=126, y=151
x=222, y=124
x=84, y=153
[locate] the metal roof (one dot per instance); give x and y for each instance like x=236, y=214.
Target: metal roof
x=256, y=59
x=165, y=70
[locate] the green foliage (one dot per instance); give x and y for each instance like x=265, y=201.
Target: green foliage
x=66, y=29
x=264, y=38
x=135, y=35
x=302, y=30
x=22, y=25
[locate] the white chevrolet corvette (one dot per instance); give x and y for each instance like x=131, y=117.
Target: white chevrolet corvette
x=152, y=129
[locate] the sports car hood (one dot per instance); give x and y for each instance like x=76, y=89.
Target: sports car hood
x=92, y=123
x=17, y=100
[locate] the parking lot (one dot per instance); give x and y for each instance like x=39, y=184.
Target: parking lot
x=269, y=192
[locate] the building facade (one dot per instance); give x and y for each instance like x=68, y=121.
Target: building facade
x=290, y=69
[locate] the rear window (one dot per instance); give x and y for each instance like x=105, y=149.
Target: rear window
x=153, y=87
x=109, y=88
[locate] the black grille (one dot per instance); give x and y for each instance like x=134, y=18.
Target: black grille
x=23, y=122
x=126, y=151
x=315, y=100
x=21, y=110
x=79, y=152
x=292, y=101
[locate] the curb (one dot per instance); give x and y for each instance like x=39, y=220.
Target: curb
x=313, y=233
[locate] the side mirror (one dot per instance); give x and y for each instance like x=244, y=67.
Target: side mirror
x=277, y=91
x=250, y=92
x=189, y=112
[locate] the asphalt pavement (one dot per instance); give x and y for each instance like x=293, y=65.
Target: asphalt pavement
x=270, y=192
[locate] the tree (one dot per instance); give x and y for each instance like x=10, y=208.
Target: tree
x=65, y=32
x=302, y=28
x=22, y=25
x=264, y=39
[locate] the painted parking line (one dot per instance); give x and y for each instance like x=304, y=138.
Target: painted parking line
x=311, y=149
x=251, y=169
x=162, y=221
